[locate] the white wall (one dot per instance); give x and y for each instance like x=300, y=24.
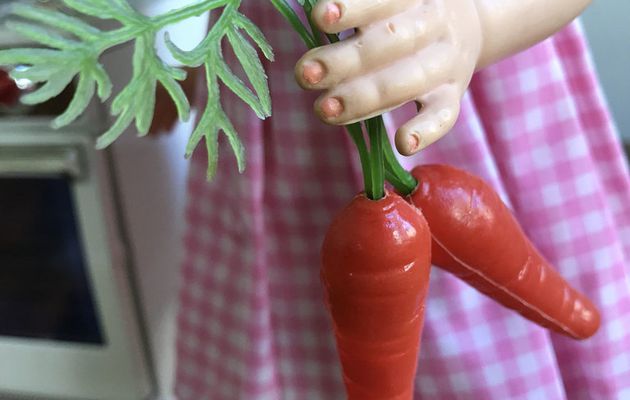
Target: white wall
x=152, y=174
x=607, y=23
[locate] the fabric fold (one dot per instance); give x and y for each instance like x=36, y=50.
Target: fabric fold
x=252, y=321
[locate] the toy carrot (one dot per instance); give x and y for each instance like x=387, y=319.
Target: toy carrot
x=375, y=271
x=9, y=92
x=476, y=238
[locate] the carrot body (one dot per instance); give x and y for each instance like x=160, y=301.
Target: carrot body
x=476, y=237
x=375, y=272
x=9, y=92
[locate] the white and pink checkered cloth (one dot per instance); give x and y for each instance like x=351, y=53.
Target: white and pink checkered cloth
x=252, y=322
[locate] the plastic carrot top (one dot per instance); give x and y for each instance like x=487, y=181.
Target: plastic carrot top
x=73, y=49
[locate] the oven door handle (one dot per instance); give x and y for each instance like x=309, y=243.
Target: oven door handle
x=41, y=161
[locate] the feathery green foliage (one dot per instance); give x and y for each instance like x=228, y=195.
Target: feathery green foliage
x=71, y=50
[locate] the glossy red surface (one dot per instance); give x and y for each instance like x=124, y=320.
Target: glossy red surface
x=9, y=92
x=476, y=237
x=375, y=271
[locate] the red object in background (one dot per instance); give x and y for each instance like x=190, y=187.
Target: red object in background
x=375, y=270
x=476, y=238
x=9, y=92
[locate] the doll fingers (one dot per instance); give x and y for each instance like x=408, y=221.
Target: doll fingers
x=437, y=117
x=396, y=37
x=334, y=16
x=374, y=93
x=383, y=90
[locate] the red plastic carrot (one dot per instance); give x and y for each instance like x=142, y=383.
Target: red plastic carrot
x=375, y=271
x=476, y=237
x=9, y=92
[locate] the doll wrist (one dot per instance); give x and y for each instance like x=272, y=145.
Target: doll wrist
x=511, y=26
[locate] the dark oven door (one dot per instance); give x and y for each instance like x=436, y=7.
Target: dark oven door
x=68, y=320
x=45, y=290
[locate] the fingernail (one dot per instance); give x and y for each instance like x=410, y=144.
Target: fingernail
x=332, y=107
x=332, y=15
x=413, y=142
x=313, y=72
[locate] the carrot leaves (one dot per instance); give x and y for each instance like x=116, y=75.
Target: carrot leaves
x=69, y=50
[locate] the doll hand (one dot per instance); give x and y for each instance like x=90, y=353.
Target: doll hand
x=403, y=50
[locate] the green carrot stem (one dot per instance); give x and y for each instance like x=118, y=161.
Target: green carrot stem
x=332, y=38
x=377, y=162
x=356, y=134
x=183, y=13
x=316, y=33
x=380, y=162
x=289, y=14
x=398, y=176
x=393, y=179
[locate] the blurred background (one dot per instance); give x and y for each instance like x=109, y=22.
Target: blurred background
x=146, y=183
x=608, y=33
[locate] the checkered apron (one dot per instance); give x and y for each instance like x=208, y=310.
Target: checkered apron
x=252, y=323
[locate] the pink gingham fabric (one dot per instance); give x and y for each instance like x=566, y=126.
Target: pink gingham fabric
x=252, y=323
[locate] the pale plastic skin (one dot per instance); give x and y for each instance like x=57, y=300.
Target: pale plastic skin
x=418, y=50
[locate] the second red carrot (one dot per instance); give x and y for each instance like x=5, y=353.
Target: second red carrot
x=476, y=237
